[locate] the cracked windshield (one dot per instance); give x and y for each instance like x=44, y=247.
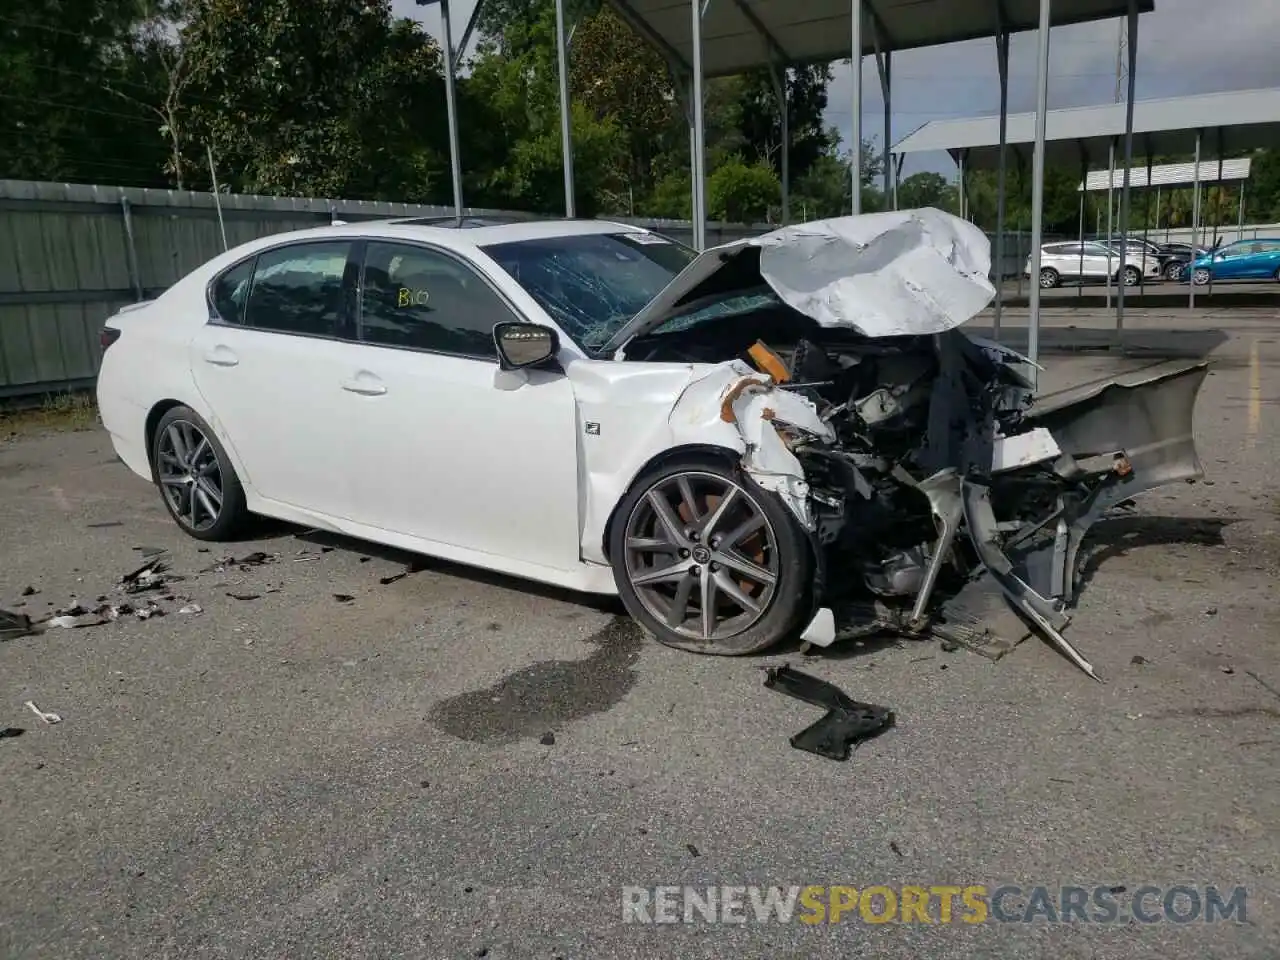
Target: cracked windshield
x=591, y=285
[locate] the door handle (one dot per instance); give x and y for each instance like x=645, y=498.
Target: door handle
x=221, y=356
x=366, y=386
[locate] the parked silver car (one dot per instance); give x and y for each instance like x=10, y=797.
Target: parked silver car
x=1092, y=262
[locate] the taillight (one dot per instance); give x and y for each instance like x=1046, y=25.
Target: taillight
x=107, y=337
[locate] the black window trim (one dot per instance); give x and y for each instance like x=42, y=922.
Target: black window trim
x=355, y=259
x=516, y=314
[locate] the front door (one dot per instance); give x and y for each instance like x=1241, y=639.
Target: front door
x=451, y=448
x=270, y=364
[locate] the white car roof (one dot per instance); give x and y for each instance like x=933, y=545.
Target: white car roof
x=443, y=233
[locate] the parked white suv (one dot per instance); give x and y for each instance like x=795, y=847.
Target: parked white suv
x=1091, y=262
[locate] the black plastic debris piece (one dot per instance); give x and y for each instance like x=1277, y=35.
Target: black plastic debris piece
x=107, y=523
x=548, y=739
x=1139, y=661
x=14, y=625
x=245, y=596
x=152, y=575
x=846, y=723
x=256, y=559
x=413, y=566
x=8, y=732
x=156, y=551
x=29, y=591
x=693, y=851
x=343, y=597
x=365, y=559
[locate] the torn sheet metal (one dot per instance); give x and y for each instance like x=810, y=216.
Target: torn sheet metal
x=900, y=273
x=882, y=274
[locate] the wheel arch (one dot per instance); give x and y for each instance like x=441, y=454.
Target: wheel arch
x=154, y=415
x=157, y=412
x=693, y=451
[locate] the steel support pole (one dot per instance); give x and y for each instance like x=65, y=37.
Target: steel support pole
x=1080, y=269
x=1002, y=64
x=779, y=76
x=960, y=186
x=1146, y=209
x=1037, y=184
x=451, y=108
x=855, y=130
x=1195, y=224
x=1217, y=213
x=566, y=121
x=1111, y=232
x=699, y=134
x=1240, y=214
x=1128, y=164
x=884, y=66
x=897, y=176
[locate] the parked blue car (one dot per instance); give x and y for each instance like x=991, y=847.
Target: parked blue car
x=1243, y=260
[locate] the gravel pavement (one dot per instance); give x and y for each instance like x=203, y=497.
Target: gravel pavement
x=460, y=765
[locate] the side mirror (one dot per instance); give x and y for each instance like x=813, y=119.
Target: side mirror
x=524, y=344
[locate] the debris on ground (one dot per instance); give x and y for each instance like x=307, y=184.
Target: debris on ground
x=846, y=723
x=693, y=851
x=192, y=608
x=245, y=596
x=413, y=566
x=105, y=523
x=152, y=575
x=46, y=717
x=153, y=551
x=343, y=597
x=29, y=591
x=14, y=625
x=1227, y=669
x=8, y=732
x=548, y=739
x=1265, y=686
x=1139, y=661
x=256, y=559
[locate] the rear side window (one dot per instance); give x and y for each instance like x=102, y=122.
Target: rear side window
x=231, y=292
x=299, y=289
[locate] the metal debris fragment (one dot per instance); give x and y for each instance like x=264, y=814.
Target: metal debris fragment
x=193, y=608
x=846, y=723
x=46, y=717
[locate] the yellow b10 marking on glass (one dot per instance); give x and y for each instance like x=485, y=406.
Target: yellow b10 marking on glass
x=412, y=298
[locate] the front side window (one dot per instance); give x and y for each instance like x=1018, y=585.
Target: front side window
x=593, y=284
x=299, y=289
x=230, y=292
x=415, y=297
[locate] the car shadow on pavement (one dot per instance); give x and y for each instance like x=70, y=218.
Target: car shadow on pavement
x=1116, y=536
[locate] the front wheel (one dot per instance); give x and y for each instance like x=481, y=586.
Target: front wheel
x=1200, y=276
x=1173, y=271
x=707, y=561
x=196, y=480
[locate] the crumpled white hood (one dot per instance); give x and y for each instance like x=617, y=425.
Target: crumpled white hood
x=883, y=274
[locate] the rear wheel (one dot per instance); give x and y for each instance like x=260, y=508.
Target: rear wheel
x=1132, y=276
x=707, y=561
x=199, y=486
x=1049, y=278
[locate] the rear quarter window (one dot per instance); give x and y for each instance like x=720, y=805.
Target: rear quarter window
x=230, y=292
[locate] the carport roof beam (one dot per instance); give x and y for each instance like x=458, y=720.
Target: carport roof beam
x=739, y=36
x=1247, y=118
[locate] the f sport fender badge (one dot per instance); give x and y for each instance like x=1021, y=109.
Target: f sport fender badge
x=593, y=429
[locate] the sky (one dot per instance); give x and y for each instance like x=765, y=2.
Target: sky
x=1185, y=47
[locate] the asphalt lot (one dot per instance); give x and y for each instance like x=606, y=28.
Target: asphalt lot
x=293, y=775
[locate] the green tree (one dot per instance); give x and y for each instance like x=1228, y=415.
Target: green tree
x=316, y=98
x=927, y=189
x=739, y=192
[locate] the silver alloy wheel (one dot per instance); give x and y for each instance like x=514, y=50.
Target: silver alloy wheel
x=1048, y=279
x=1131, y=276
x=1173, y=271
x=190, y=475
x=1200, y=277
x=702, y=556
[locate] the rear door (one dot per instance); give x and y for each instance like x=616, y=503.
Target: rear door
x=271, y=364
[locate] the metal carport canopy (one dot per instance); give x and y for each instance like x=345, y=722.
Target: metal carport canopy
x=738, y=35
x=1233, y=122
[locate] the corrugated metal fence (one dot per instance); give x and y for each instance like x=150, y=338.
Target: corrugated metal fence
x=72, y=254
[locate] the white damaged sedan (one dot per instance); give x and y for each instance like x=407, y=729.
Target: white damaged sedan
x=784, y=435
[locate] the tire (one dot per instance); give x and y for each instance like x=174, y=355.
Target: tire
x=1049, y=278
x=1132, y=276
x=1200, y=276
x=769, y=542
x=1277, y=274
x=1173, y=271
x=194, y=475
